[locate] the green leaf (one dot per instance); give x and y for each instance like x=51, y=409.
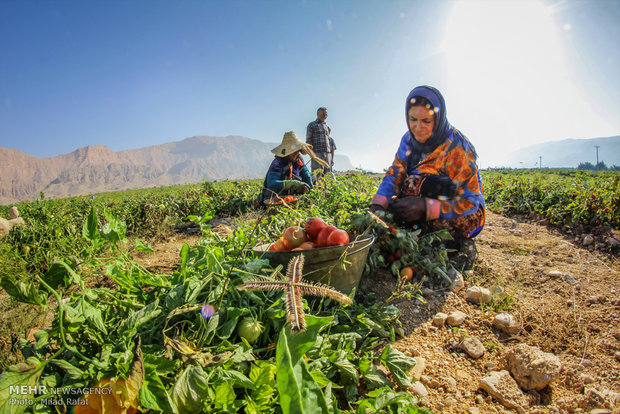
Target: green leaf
x=376, y=327
x=89, y=228
x=263, y=395
x=114, y=230
x=175, y=297
x=58, y=275
x=72, y=371
x=399, y=365
x=224, y=395
x=23, y=292
x=92, y=315
x=235, y=378
x=139, y=318
x=42, y=337
x=262, y=373
x=22, y=374
x=373, y=378
x=143, y=247
x=344, y=366
x=302, y=342
x=184, y=258
x=256, y=265
x=190, y=389
x=299, y=393
x=153, y=394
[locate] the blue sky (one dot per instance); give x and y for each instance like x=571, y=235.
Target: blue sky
x=129, y=74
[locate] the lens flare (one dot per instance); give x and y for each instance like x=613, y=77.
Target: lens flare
x=207, y=311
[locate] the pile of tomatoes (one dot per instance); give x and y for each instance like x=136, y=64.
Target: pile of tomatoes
x=315, y=233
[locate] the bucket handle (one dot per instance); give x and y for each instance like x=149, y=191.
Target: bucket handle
x=347, y=255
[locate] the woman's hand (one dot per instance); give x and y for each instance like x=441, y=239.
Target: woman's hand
x=409, y=208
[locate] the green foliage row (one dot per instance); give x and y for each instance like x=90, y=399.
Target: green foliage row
x=566, y=198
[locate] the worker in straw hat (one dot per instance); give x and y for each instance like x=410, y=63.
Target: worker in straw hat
x=287, y=173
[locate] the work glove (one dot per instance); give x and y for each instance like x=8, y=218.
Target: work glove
x=434, y=186
x=409, y=208
x=376, y=208
x=296, y=186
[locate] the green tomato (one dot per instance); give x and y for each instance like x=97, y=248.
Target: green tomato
x=249, y=329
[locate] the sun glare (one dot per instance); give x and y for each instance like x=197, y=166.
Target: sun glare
x=505, y=64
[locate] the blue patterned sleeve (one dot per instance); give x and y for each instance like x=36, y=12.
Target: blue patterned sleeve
x=390, y=185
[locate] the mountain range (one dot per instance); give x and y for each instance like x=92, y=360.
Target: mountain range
x=97, y=169
x=568, y=153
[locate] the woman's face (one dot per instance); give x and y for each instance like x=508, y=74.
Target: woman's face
x=293, y=156
x=421, y=122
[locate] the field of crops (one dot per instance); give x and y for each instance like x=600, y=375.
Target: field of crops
x=192, y=341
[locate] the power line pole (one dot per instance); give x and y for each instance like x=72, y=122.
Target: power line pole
x=597, y=147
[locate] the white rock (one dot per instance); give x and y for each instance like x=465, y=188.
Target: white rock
x=532, y=368
x=439, y=319
x=17, y=221
x=506, y=322
x=477, y=294
x=586, y=379
x=473, y=347
x=502, y=386
x=588, y=240
x=418, y=369
x=458, y=283
x=456, y=318
x=5, y=227
x=418, y=389
x=450, y=384
x=555, y=273
x=429, y=381
x=13, y=213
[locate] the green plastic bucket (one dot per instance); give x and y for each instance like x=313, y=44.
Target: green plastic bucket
x=322, y=265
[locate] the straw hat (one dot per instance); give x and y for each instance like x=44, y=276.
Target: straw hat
x=290, y=144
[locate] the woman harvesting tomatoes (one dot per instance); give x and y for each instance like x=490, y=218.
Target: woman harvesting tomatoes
x=434, y=181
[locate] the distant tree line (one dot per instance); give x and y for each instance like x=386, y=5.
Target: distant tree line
x=598, y=167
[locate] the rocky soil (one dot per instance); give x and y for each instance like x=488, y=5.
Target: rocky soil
x=545, y=339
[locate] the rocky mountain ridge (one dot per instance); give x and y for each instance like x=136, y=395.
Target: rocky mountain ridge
x=96, y=169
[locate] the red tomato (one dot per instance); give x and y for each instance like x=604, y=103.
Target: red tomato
x=337, y=237
x=294, y=236
x=314, y=225
x=321, y=239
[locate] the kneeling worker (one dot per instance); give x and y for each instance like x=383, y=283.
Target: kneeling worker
x=287, y=173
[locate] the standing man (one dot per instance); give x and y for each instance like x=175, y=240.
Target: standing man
x=317, y=135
